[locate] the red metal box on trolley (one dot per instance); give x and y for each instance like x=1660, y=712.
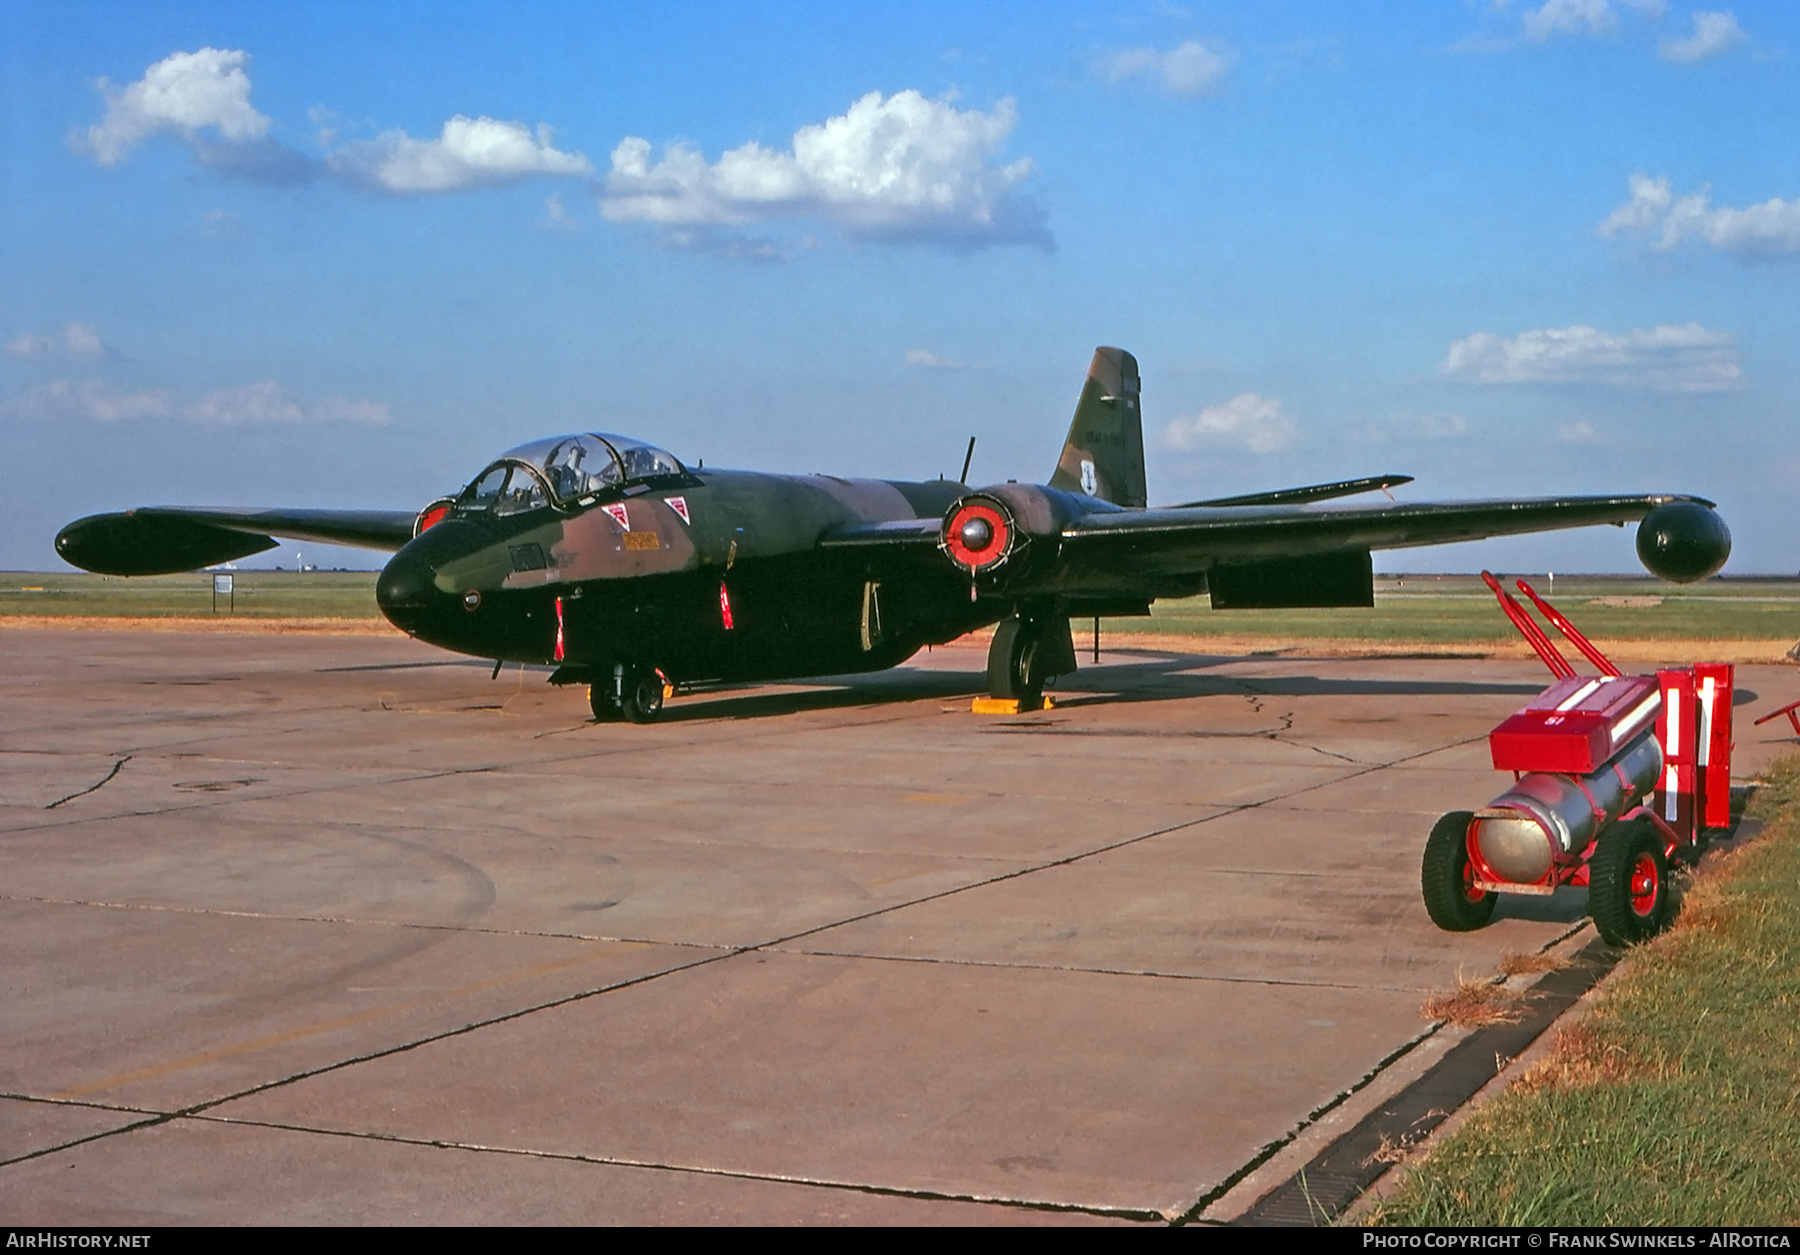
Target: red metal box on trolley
x=1576, y=724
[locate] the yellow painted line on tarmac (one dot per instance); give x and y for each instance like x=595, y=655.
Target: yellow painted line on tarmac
x=343, y=1021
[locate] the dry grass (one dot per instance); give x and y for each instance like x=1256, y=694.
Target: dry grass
x=1478, y=1001
x=1581, y=1058
x=221, y=623
x=1650, y=651
x=1531, y=964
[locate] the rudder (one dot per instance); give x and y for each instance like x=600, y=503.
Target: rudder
x=1104, y=454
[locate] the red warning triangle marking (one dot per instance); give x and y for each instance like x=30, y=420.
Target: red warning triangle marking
x=679, y=505
x=619, y=515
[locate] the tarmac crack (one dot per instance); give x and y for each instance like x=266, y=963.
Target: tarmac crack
x=104, y=780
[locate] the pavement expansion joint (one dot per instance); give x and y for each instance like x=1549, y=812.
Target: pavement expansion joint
x=1266, y=982
x=1275, y=1146
x=619, y=1161
x=102, y=782
x=1331, y=1182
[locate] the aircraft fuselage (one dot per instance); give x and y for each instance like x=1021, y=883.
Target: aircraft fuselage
x=716, y=576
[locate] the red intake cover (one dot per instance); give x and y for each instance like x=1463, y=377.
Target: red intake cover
x=1575, y=725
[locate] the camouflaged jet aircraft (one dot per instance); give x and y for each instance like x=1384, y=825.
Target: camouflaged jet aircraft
x=637, y=575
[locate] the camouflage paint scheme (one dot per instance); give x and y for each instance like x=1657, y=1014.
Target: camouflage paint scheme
x=694, y=575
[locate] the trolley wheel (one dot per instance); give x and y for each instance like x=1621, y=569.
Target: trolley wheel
x=1447, y=877
x=1628, y=884
x=643, y=698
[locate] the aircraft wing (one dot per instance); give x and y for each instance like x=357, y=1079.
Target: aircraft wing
x=159, y=540
x=1180, y=540
x=892, y=534
x=1031, y=542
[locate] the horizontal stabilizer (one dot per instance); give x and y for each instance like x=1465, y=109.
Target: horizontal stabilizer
x=1295, y=496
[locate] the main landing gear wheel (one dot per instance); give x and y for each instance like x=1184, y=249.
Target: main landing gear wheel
x=1013, y=670
x=642, y=698
x=1628, y=884
x=602, y=702
x=1448, y=878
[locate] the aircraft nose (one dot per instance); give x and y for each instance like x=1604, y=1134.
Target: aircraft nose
x=405, y=592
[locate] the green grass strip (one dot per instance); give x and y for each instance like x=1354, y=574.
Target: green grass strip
x=259, y=595
x=1458, y=609
x=1677, y=1100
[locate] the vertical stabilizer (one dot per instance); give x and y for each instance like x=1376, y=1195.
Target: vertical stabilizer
x=1104, y=455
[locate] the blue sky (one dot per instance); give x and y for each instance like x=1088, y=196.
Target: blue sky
x=341, y=254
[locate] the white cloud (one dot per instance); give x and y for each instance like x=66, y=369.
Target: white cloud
x=1191, y=69
x=556, y=218
x=1247, y=422
x=1714, y=33
x=90, y=400
x=186, y=92
x=1570, y=17
x=269, y=402
x=469, y=152
x=78, y=342
x=925, y=359
x=64, y=400
x=1769, y=229
x=900, y=166
x=1579, y=432
x=30, y=345
x=1686, y=358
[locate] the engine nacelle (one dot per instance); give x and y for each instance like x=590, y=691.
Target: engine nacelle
x=1683, y=541
x=995, y=534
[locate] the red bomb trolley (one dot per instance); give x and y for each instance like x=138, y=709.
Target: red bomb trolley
x=1616, y=778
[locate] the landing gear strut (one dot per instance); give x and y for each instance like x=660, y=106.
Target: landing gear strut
x=1029, y=647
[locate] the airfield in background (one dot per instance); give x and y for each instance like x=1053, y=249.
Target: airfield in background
x=1740, y=618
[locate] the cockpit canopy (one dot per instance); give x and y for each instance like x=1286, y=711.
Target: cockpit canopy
x=566, y=471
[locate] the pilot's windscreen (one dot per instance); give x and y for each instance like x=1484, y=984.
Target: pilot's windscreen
x=484, y=492
x=524, y=491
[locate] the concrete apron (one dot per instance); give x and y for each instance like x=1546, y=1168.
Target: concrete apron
x=322, y=930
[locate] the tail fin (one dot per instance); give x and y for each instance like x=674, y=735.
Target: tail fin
x=1104, y=454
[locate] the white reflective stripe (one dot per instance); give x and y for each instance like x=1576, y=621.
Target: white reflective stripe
x=1670, y=796
x=1579, y=695
x=1644, y=710
x=1672, y=743
x=1707, y=697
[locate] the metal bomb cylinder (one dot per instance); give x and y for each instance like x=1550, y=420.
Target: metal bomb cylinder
x=1520, y=834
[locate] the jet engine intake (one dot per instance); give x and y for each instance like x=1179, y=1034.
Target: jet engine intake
x=980, y=533
x=1683, y=541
